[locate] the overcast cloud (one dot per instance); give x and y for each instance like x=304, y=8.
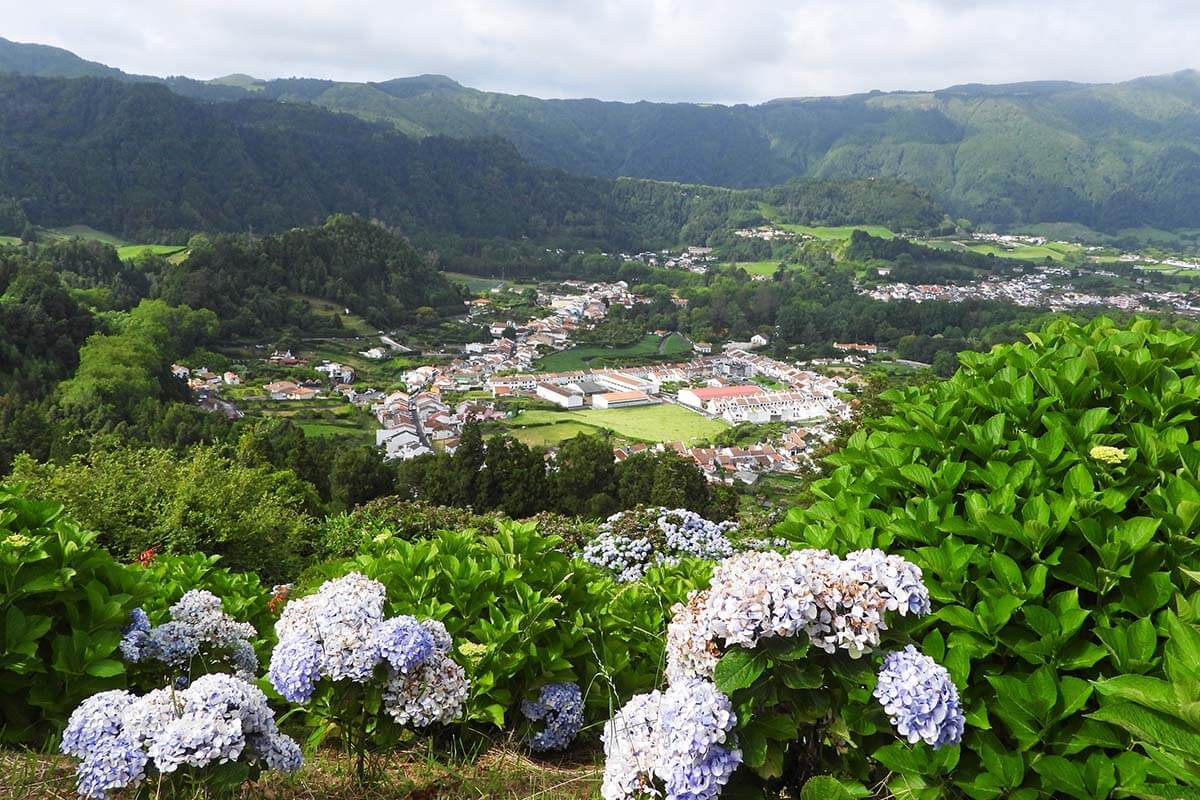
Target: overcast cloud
x=682, y=50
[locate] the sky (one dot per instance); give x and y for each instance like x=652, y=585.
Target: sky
x=664, y=50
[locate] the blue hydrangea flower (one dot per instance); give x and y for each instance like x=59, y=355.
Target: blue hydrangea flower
x=295, y=668
x=198, y=623
x=196, y=739
x=680, y=737
x=280, y=753
x=117, y=765
x=561, y=706
x=135, y=636
x=919, y=698
x=218, y=719
x=95, y=723
x=403, y=642
x=703, y=779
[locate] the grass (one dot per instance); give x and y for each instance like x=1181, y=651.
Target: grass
x=129, y=252
x=676, y=345
x=661, y=423
x=13, y=240
x=483, y=283
x=767, y=268
x=582, y=357
x=313, y=428
x=352, y=323
x=499, y=772
x=838, y=232
x=551, y=435
x=85, y=232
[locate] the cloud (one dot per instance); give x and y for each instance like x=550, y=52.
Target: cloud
x=669, y=50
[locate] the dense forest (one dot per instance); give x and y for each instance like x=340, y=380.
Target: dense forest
x=95, y=151
x=1107, y=155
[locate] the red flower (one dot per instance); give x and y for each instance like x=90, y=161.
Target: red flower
x=147, y=556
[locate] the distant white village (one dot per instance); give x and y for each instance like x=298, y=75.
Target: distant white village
x=1048, y=287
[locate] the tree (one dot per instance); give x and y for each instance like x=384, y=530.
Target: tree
x=583, y=469
x=28, y=234
x=357, y=476
x=467, y=463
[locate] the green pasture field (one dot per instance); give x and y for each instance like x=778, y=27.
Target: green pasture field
x=659, y=423
x=760, y=267
x=580, y=357
x=838, y=232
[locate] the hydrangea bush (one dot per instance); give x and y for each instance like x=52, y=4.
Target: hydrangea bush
x=778, y=654
x=629, y=542
x=338, y=653
x=560, y=708
x=199, y=638
x=218, y=732
x=1050, y=492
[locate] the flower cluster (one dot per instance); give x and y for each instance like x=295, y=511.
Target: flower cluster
x=919, y=698
x=198, y=626
x=339, y=633
x=630, y=542
x=118, y=736
x=1108, y=455
x=561, y=706
x=678, y=739
x=837, y=603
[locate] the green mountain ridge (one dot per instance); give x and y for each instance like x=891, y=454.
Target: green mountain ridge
x=1106, y=155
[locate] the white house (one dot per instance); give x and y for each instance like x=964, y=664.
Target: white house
x=758, y=340
x=623, y=400
x=563, y=396
x=338, y=373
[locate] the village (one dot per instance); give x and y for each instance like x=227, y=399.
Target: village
x=498, y=385
x=1047, y=287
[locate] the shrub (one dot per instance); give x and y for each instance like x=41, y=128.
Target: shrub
x=63, y=602
x=511, y=594
x=351, y=666
x=1050, y=492
x=242, y=594
x=203, y=740
x=344, y=535
x=773, y=666
x=630, y=541
x=257, y=518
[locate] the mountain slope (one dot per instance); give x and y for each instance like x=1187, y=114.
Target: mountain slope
x=1107, y=155
x=44, y=61
x=133, y=158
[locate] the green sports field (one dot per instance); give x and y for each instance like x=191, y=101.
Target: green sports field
x=659, y=423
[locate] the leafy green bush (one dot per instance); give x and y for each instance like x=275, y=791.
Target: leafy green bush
x=1162, y=717
x=63, y=602
x=344, y=534
x=1050, y=492
x=510, y=594
x=242, y=594
x=255, y=517
x=523, y=613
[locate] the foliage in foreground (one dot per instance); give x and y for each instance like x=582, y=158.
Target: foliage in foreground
x=63, y=601
x=1050, y=492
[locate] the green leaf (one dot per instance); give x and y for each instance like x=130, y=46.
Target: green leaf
x=738, y=669
x=105, y=668
x=825, y=787
x=1061, y=776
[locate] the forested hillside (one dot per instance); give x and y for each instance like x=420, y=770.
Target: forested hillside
x=139, y=160
x=1110, y=156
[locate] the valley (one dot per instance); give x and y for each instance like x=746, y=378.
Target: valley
x=396, y=439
